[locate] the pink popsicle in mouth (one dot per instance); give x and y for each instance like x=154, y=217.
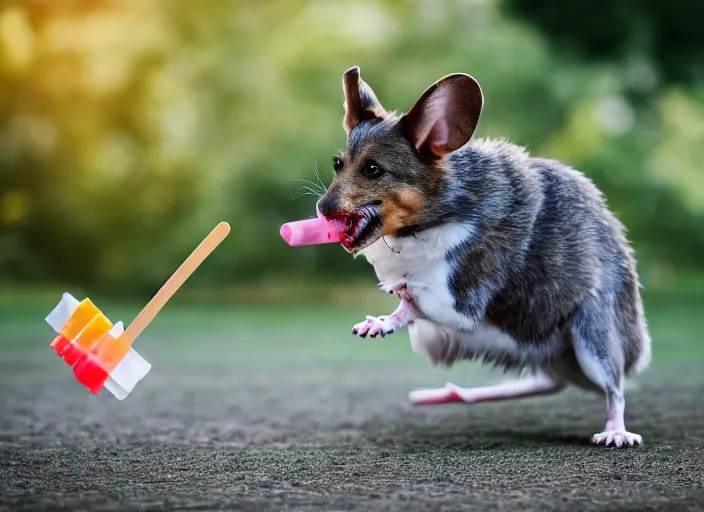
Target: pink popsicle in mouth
x=313, y=231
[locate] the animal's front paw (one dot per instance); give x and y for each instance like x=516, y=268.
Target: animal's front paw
x=617, y=438
x=373, y=326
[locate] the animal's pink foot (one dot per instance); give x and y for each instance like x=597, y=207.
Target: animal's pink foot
x=617, y=438
x=435, y=396
x=374, y=326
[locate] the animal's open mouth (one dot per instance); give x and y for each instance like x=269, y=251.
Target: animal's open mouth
x=363, y=224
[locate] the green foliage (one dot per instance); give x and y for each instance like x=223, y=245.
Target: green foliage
x=129, y=129
x=666, y=32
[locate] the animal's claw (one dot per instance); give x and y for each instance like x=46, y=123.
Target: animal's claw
x=398, y=288
x=617, y=438
x=385, y=288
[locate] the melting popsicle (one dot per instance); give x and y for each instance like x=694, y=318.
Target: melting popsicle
x=101, y=353
x=94, y=348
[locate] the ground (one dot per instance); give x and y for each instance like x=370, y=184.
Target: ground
x=283, y=409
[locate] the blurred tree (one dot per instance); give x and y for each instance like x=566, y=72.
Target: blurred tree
x=129, y=128
x=666, y=32
x=88, y=147
x=653, y=172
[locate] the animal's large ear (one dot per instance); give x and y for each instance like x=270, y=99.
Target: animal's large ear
x=443, y=119
x=361, y=103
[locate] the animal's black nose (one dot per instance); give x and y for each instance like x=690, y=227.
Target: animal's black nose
x=329, y=204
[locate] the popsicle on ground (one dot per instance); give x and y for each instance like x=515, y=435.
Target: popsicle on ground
x=313, y=231
x=101, y=353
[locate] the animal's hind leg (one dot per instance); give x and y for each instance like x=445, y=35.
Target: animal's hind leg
x=539, y=384
x=599, y=354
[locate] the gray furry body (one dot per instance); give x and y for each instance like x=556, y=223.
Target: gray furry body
x=543, y=255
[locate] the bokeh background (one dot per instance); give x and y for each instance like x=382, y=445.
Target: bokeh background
x=129, y=128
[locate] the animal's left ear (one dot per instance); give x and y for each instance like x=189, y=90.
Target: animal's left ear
x=361, y=103
x=443, y=119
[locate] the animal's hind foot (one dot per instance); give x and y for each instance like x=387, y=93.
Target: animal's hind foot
x=528, y=386
x=617, y=438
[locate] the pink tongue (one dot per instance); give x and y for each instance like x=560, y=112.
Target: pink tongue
x=312, y=231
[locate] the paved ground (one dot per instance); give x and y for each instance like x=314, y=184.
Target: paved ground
x=335, y=436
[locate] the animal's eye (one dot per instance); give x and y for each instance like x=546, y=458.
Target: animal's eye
x=372, y=170
x=337, y=163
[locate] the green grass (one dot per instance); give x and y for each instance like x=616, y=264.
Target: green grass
x=296, y=333
x=202, y=333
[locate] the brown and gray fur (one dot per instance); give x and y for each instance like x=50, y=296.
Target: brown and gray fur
x=527, y=250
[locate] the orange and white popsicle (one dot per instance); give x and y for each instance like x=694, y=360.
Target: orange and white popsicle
x=101, y=353
x=94, y=347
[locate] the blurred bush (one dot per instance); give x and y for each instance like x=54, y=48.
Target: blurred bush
x=129, y=128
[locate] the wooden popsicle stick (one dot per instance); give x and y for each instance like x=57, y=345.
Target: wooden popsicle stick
x=145, y=317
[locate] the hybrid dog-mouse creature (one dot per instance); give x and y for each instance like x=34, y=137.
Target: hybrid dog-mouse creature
x=494, y=254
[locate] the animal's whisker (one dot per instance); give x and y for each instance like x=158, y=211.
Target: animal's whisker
x=304, y=191
x=320, y=181
x=310, y=185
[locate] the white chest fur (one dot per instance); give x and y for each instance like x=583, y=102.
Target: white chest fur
x=443, y=334
x=419, y=262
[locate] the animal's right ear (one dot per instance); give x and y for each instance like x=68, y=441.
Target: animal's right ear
x=361, y=103
x=445, y=116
